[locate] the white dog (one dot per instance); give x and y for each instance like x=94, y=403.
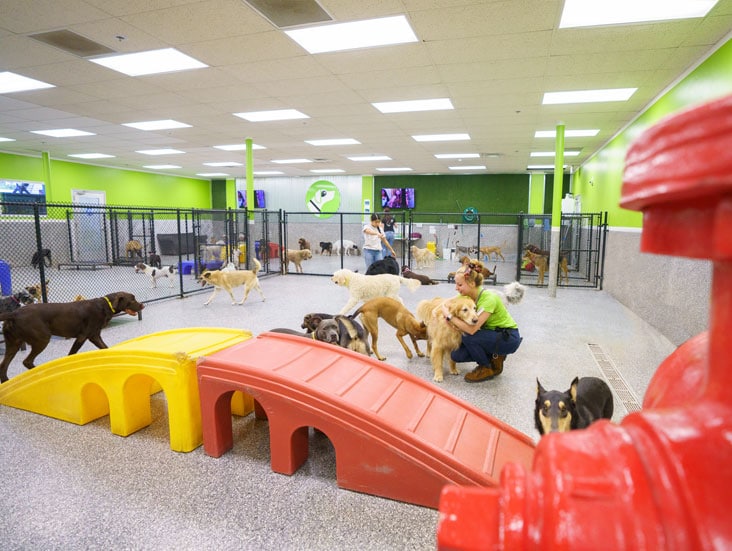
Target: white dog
x=156, y=273
x=348, y=246
x=365, y=287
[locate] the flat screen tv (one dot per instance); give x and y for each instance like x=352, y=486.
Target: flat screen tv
x=259, y=201
x=409, y=197
x=18, y=197
x=392, y=197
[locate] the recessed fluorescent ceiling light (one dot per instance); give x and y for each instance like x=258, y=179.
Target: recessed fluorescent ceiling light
x=334, y=141
x=160, y=167
x=587, y=13
x=211, y=174
x=357, y=34
x=291, y=161
x=457, y=155
x=588, y=96
x=149, y=63
x=6, y=139
x=567, y=153
x=11, y=82
x=267, y=173
x=91, y=156
x=567, y=133
x=441, y=137
x=63, y=133
x=224, y=163
x=473, y=167
x=166, y=124
x=274, y=115
x=396, y=169
x=159, y=151
x=439, y=104
x=370, y=158
x=238, y=147
x=328, y=171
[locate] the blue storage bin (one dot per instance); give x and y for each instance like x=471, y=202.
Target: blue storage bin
x=6, y=284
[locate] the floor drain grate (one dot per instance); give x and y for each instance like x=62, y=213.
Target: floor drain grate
x=614, y=379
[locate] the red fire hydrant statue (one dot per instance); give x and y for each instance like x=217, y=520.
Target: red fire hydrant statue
x=662, y=478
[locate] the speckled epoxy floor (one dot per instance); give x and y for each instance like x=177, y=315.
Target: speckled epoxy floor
x=81, y=487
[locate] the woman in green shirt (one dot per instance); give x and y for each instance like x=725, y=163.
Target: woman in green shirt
x=494, y=336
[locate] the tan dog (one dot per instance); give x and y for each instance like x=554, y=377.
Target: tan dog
x=443, y=337
x=487, y=274
x=542, y=265
x=422, y=257
x=133, y=248
x=395, y=314
x=36, y=292
x=230, y=280
x=297, y=257
x=494, y=250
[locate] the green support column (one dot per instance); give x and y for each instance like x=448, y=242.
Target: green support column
x=556, y=209
x=250, y=179
x=46, y=162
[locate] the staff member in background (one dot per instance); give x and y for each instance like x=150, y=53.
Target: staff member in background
x=373, y=237
x=388, y=222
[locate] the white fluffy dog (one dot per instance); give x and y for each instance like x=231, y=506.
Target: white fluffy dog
x=349, y=248
x=365, y=287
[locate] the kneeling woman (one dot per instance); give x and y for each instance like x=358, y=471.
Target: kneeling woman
x=494, y=336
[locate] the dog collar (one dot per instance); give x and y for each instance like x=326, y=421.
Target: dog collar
x=110, y=305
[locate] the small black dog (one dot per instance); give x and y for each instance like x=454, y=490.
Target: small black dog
x=326, y=247
x=15, y=301
x=387, y=265
x=154, y=261
x=44, y=255
x=587, y=400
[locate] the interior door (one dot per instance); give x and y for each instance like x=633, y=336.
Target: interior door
x=88, y=224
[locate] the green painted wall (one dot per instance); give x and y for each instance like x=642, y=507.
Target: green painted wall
x=122, y=187
x=499, y=193
x=599, y=181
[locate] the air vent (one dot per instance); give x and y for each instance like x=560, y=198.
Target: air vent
x=290, y=13
x=72, y=43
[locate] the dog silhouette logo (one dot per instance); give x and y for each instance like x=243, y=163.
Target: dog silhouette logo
x=323, y=199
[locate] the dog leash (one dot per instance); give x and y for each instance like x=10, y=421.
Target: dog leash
x=110, y=304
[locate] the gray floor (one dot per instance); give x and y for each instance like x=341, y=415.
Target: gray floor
x=81, y=487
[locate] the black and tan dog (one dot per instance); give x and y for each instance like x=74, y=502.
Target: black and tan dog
x=82, y=320
x=395, y=314
x=326, y=247
x=587, y=400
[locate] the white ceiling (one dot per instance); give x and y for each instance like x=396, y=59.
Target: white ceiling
x=493, y=59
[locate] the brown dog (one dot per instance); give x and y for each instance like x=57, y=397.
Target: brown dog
x=493, y=251
x=228, y=281
x=297, y=257
x=133, y=248
x=443, y=337
x=303, y=243
x=395, y=314
x=423, y=279
x=82, y=320
x=541, y=261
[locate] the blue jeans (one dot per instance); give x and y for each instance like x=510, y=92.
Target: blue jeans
x=481, y=346
x=371, y=255
x=390, y=238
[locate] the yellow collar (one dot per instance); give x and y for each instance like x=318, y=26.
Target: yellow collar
x=110, y=305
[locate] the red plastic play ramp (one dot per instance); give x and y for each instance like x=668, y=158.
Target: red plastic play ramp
x=394, y=435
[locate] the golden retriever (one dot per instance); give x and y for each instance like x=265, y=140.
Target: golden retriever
x=297, y=257
x=422, y=257
x=395, y=314
x=230, y=280
x=364, y=287
x=443, y=337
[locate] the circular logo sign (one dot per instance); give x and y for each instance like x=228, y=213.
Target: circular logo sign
x=323, y=199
